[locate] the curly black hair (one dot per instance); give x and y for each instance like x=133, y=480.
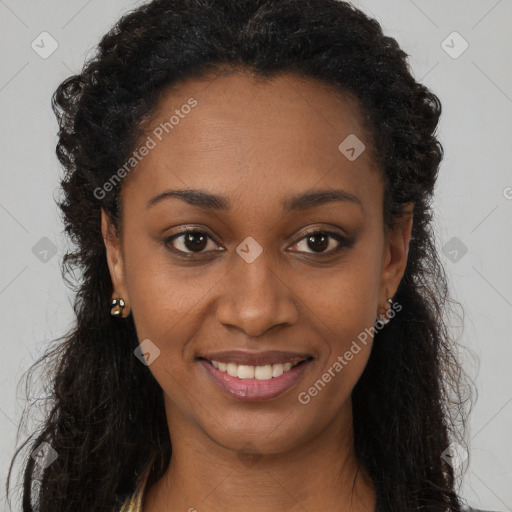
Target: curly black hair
x=106, y=419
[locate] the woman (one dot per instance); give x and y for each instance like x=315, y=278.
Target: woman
x=260, y=307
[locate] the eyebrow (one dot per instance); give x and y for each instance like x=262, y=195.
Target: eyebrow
x=209, y=201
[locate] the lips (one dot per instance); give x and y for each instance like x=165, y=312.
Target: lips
x=268, y=357
x=253, y=389
x=255, y=376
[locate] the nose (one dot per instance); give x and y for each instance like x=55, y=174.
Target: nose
x=254, y=298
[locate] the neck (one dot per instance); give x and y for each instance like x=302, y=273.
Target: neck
x=321, y=474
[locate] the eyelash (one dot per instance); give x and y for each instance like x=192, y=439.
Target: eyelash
x=343, y=242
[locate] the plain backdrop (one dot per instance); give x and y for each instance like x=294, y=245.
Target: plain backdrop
x=459, y=48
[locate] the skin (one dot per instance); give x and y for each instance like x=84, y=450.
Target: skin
x=257, y=142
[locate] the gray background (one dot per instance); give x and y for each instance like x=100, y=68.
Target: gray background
x=473, y=203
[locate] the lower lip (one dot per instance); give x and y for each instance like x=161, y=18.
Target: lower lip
x=254, y=389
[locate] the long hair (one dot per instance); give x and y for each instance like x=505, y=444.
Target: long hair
x=106, y=419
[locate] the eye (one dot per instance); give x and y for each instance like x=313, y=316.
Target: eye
x=320, y=242
x=189, y=241
x=195, y=241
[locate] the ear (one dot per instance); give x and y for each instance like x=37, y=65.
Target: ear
x=114, y=259
x=396, y=250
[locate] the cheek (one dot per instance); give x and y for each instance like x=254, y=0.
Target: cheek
x=164, y=297
x=347, y=306
x=346, y=301
x=350, y=342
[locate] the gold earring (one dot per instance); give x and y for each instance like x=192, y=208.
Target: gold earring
x=386, y=312
x=117, y=306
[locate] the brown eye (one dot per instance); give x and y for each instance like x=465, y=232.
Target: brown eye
x=188, y=242
x=320, y=242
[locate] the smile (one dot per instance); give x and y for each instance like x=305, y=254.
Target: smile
x=257, y=383
x=243, y=371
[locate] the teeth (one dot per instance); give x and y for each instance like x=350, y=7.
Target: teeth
x=243, y=371
x=277, y=370
x=263, y=372
x=232, y=369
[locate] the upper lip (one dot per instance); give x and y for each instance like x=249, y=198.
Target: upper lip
x=256, y=358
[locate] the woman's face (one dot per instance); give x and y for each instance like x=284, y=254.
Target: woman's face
x=287, y=261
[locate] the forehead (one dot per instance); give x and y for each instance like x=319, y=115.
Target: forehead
x=240, y=132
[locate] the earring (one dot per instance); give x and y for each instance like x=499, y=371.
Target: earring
x=117, y=306
x=390, y=301
x=384, y=318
